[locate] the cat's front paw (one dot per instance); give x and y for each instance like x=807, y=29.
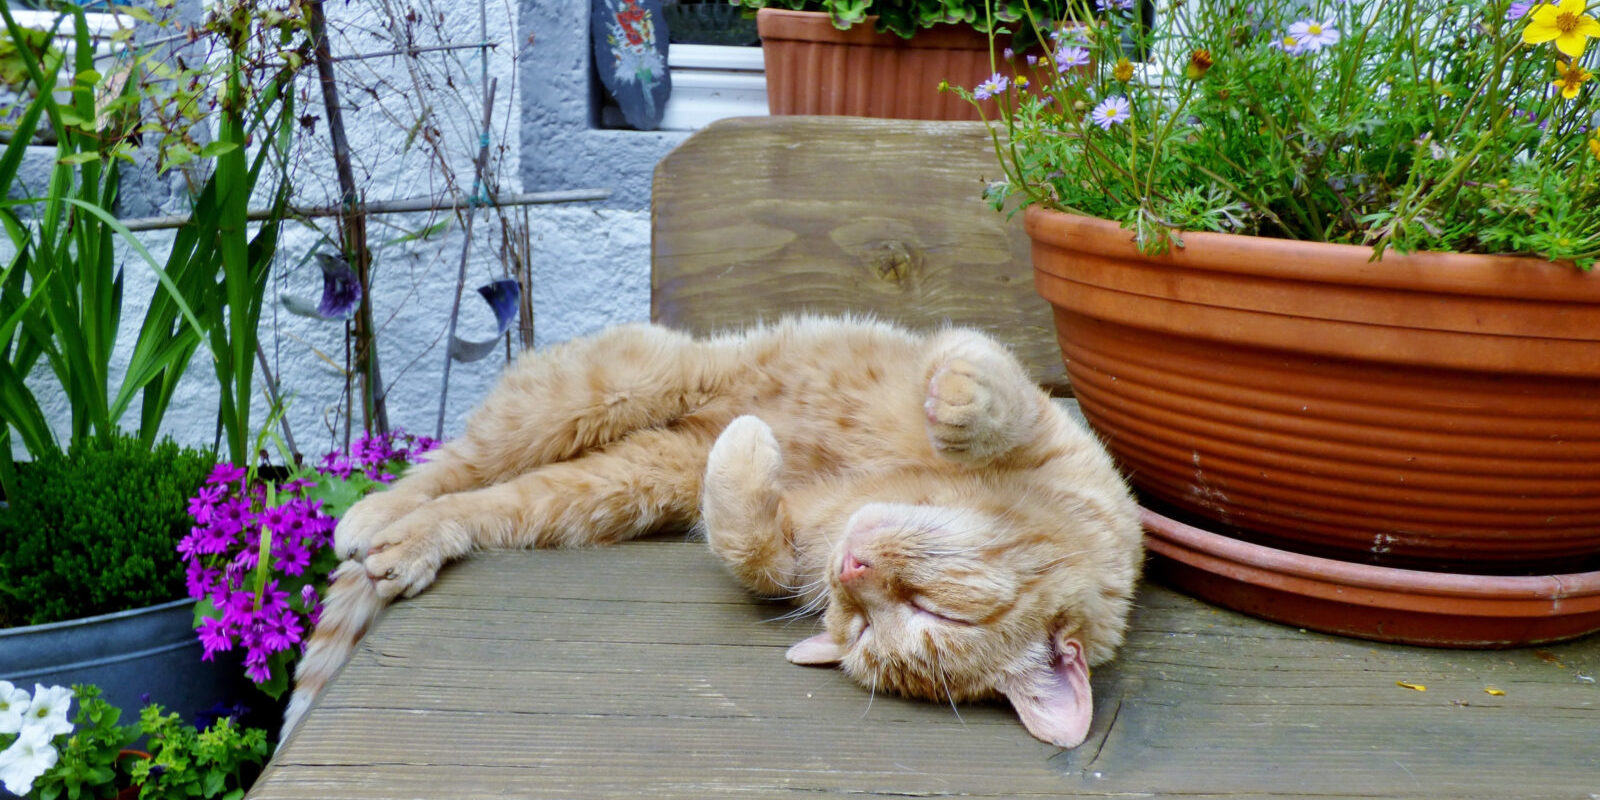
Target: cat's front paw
x=359, y=526
x=973, y=411
x=403, y=558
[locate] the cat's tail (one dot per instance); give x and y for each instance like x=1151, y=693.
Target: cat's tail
x=352, y=604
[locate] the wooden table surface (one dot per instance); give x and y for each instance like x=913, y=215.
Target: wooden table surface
x=643, y=671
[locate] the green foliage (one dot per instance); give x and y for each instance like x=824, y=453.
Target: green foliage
x=216, y=762
x=92, y=762
x=95, y=530
x=61, y=295
x=87, y=764
x=1424, y=125
x=906, y=17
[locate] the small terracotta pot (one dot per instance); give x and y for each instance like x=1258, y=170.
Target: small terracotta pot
x=130, y=792
x=1439, y=411
x=814, y=68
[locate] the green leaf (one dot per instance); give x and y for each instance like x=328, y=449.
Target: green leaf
x=79, y=158
x=217, y=148
x=135, y=12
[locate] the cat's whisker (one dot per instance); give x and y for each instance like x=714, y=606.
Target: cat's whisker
x=939, y=666
x=872, y=694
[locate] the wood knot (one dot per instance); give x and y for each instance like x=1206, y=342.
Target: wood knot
x=891, y=261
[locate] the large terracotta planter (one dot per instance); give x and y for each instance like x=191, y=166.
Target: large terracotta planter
x=1431, y=410
x=814, y=68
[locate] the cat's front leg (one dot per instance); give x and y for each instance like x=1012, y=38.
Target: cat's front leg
x=980, y=404
x=649, y=480
x=743, y=510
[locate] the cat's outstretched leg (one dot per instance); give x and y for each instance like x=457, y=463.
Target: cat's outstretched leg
x=648, y=480
x=743, y=511
x=550, y=406
x=980, y=404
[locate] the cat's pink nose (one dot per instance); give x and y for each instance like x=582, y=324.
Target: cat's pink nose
x=852, y=569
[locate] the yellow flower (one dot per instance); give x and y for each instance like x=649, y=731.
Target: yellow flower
x=1123, y=70
x=1569, y=78
x=1594, y=146
x=1199, y=64
x=1565, y=24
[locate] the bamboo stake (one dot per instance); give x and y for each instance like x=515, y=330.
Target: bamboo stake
x=374, y=410
x=405, y=206
x=480, y=165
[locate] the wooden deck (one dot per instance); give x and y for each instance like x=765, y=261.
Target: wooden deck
x=643, y=671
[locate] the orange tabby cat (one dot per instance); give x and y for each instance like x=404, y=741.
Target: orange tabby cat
x=964, y=536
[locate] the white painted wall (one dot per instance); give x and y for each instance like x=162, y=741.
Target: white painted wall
x=590, y=261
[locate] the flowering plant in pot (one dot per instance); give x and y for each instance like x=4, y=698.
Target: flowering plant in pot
x=258, y=555
x=886, y=58
x=46, y=755
x=1321, y=278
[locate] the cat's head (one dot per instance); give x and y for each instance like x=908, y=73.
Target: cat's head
x=953, y=604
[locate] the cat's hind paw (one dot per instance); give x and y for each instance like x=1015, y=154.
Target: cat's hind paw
x=974, y=410
x=744, y=463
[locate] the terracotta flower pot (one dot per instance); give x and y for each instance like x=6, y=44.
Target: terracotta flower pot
x=1438, y=411
x=814, y=68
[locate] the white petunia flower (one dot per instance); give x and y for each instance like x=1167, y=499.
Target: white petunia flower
x=49, y=710
x=26, y=759
x=13, y=702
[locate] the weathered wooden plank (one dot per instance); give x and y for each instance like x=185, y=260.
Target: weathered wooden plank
x=579, y=684
x=759, y=216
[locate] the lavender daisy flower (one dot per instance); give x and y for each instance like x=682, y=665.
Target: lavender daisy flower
x=996, y=84
x=1112, y=110
x=1311, y=35
x=1071, y=57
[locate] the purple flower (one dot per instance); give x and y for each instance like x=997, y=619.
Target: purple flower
x=291, y=555
x=996, y=84
x=1071, y=57
x=1111, y=111
x=255, y=665
x=281, y=632
x=200, y=579
x=1519, y=9
x=214, y=637
x=1113, y=5
x=201, y=505
x=274, y=519
x=225, y=473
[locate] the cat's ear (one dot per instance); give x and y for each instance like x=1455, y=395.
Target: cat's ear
x=819, y=650
x=1054, y=701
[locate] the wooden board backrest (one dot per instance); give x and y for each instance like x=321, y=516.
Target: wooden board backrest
x=757, y=217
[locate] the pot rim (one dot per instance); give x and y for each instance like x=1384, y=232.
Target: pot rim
x=1500, y=276
x=94, y=620
x=1561, y=590
x=817, y=26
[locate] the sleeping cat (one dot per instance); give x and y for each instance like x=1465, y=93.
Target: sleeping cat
x=964, y=537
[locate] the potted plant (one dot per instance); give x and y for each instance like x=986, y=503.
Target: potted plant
x=45, y=756
x=1321, y=273
x=260, y=548
x=94, y=516
x=91, y=587
x=888, y=58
